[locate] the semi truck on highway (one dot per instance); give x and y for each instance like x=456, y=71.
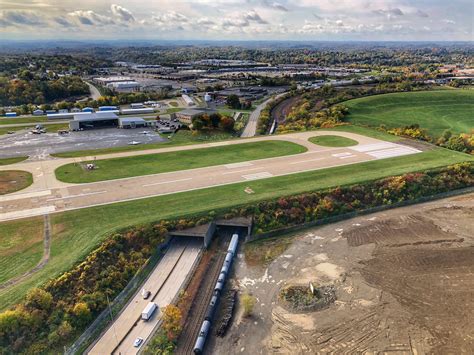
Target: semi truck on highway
x=149, y=310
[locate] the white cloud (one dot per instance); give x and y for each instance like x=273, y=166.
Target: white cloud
x=90, y=18
x=19, y=18
x=122, y=13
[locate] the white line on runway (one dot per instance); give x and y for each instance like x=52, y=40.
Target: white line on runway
x=242, y=171
x=256, y=176
x=166, y=182
x=79, y=195
x=347, y=156
x=306, y=161
x=238, y=165
x=26, y=213
x=339, y=155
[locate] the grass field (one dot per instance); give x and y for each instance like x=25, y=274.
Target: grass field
x=76, y=233
x=183, y=137
x=434, y=111
x=23, y=238
x=148, y=164
x=8, y=161
x=333, y=141
x=27, y=119
x=14, y=180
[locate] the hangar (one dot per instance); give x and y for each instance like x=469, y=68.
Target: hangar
x=132, y=122
x=94, y=120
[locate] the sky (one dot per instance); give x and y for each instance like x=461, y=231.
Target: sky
x=319, y=20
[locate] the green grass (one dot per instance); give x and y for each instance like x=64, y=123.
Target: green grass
x=333, y=141
x=174, y=109
x=434, y=111
x=8, y=161
x=29, y=119
x=109, y=169
x=183, y=137
x=21, y=247
x=5, y=130
x=76, y=233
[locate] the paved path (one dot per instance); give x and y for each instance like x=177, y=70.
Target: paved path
x=250, y=129
x=165, y=282
x=48, y=195
x=95, y=94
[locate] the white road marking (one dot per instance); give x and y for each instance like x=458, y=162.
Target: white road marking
x=306, y=161
x=338, y=155
x=373, y=146
x=26, y=213
x=25, y=195
x=242, y=171
x=256, y=176
x=238, y=165
x=166, y=182
x=348, y=156
x=78, y=195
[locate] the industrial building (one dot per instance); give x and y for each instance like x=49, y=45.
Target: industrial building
x=93, y=120
x=132, y=122
x=124, y=86
x=186, y=116
x=188, y=100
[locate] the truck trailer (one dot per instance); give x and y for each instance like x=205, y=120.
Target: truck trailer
x=149, y=310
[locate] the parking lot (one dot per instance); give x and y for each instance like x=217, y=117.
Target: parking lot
x=38, y=146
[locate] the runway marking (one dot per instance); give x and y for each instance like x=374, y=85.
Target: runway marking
x=218, y=144
x=78, y=195
x=26, y=213
x=166, y=182
x=238, y=165
x=393, y=152
x=256, y=176
x=374, y=146
x=348, y=156
x=339, y=155
x=242, y=171
x=306, y=161
x=25, y=195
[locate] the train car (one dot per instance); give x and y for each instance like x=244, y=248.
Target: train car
x=211, y=308
x=233, y=244
x=228, y=258
x=225, y=269
x=219, y=287
x=201, y=340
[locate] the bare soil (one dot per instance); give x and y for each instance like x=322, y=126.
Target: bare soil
x=404, y=281
x=14, y=180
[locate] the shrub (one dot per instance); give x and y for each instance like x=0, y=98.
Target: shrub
x=248, y=303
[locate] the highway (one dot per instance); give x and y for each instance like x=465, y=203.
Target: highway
x=165, y=282
x=48, y=195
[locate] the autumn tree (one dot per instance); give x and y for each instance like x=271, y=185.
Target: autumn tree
x=172, y=321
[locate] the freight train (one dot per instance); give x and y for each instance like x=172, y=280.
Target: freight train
x=206, y=324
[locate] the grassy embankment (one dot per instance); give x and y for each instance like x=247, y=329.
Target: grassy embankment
x=434, y=111
x=8, y=161
x=76, y=233
x=148, y=164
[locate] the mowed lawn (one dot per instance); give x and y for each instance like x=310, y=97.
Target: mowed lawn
x=434, y=111
x=76, y=233
x=21, y=247
x=333, y=141
x=117, y=168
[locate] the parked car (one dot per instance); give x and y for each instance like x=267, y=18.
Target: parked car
x=138, y=341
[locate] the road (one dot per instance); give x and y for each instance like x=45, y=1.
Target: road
x=165, y=282
x=95, y=94
x=48, y=195
x=250, y=129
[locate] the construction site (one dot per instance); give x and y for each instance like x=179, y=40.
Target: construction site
x=403, y=282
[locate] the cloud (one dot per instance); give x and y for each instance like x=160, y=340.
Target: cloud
x=449, y=22
x=63, y=22
x=122, y=13
x=254, y=17
x=19, y=18
x=170, y=16
x=420, y=13
x=91, y=18
x=275, y=5
x=389, y=12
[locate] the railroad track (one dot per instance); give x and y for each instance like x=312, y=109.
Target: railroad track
x=203, y=297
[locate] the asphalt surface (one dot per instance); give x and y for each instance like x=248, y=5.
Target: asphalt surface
x=164, y=283
x=48, y=195
x=39, y=146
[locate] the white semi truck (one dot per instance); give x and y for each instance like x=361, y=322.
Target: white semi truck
x=149, y=310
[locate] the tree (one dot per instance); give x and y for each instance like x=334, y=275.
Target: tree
x=82, y=313
x=248, y=303
x=172, y=321
x=39, y=299
x=227, y=123
x=215, y=119
x=233, y=101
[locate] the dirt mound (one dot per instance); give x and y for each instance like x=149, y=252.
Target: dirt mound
x=399, y=231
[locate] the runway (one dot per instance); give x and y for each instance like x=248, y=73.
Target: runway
x=48, y=195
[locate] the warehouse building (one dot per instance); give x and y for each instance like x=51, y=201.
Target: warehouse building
x=132, y=122
x=186, y=116
x=93, y=120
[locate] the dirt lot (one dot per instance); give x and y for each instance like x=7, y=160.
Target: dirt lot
x=14, y=180
x=404, y=282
